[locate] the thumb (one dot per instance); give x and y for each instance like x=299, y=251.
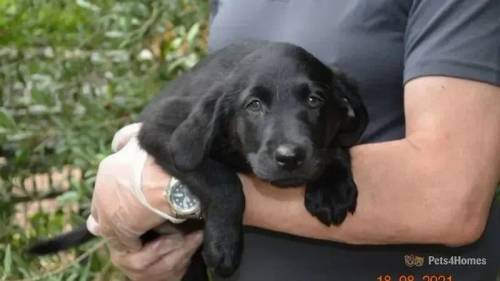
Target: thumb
x=93, y=226
x=122, y=137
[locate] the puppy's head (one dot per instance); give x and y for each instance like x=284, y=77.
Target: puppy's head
x=290, y=112
x=282, y=109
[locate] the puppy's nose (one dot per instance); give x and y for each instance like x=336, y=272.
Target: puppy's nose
x=289, y=156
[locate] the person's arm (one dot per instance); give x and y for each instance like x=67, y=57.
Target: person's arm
x=434, y=186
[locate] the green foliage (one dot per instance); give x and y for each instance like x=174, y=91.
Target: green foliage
x=71, y=74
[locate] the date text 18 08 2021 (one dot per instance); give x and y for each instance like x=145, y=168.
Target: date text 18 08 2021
x=432, y=277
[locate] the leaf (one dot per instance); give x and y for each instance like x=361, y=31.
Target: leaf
x=68, y=198
x=87, y=5
x=6, y=120
x=85, y=274
x=73, y=276
x=7, y=262
x=42, y=98
x=192, y=34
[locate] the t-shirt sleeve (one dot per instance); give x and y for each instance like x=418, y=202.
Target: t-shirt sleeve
x=454, y=38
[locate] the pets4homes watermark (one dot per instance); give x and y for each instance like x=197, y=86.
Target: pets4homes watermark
x=418, y=261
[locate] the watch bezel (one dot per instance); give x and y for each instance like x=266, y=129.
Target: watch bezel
x=181, y=212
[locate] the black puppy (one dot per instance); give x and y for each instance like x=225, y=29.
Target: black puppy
x=266, y=108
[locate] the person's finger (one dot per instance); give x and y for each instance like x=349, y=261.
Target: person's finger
x=93, y=226
x=165, y=259
x=192, y=242
x=114, y=242
x=116, y=245
x=158, y=275
x=123, y=237
x=175, y=263
x=122, y=219
x=149, y=254
x=124, y=135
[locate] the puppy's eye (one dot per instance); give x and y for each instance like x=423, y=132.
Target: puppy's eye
x=314, y=101
x=254, y=106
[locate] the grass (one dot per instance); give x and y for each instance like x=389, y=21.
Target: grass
x=72, y=73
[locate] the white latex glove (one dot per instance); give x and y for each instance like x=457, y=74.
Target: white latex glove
x=128, y=194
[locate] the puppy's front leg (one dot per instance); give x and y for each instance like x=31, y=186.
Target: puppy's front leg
x=218, y=188
x=220, y=192
x=334, y=194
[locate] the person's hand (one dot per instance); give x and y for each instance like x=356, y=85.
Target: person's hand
x=119, y=216
x=117, y=213
x=165, y=259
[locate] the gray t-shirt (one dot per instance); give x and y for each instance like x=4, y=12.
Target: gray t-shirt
x=381, y=44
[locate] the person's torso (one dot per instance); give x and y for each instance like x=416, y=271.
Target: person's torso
x=365, y=39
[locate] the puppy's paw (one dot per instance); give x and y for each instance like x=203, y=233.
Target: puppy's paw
x=222, y=249
x=330, y=203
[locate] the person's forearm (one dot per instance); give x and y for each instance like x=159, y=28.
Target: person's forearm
x=405, y=196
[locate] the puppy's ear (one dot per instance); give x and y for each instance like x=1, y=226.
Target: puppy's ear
x=356, y=119
x=192, y=139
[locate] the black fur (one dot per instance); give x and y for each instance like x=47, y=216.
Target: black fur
x=271, y=109
x=64, y=241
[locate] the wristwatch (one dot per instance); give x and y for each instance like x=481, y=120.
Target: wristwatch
x=184, y=204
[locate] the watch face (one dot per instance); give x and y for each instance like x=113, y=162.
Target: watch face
x=184, y=201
